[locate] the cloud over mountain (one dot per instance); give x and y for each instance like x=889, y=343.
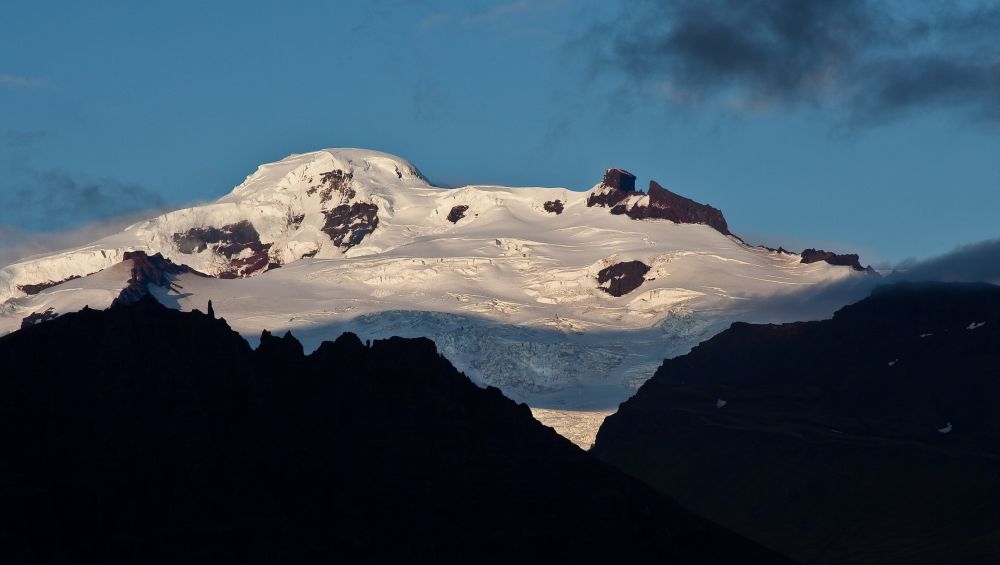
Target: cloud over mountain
x=870, y=62
x=53, y=199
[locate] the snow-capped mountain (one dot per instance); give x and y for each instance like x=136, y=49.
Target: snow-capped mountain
x=561, y=298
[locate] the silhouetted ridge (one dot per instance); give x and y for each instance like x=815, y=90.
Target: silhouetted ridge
x=285, y=346
x=869, y=438
x=142, y=434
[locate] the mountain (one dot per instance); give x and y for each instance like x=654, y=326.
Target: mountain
x=562, y=299
x=868, y=438
x=141, y=434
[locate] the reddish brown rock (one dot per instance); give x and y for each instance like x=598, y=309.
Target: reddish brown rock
x=622, y=278
x=617, y=192
x=618, y=184
x=149, y=270
x=348, y=224
x=230, y=241
x=667, y=205
x=339, y=182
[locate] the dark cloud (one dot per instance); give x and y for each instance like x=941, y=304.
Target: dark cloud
x=54, y=200
x=874, y=61
x=978, y=262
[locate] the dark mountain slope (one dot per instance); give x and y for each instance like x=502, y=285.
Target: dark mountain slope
x=146, y=435
x=873, y=437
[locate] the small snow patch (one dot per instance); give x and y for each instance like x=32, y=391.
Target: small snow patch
x=925, y=335
x=719, y=403
x=946, y=429
x=893, y=362
x=975, y=325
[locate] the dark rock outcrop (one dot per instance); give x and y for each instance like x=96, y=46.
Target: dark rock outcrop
x=33, y=289
x=622, y=278
x=846, y=259
x=457, y=213
x=157, y=436
x=554, y=206
x=149, y=270
x=869, y=438
x=348, y=224
x=229, y=241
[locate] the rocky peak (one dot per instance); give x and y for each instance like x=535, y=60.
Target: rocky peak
x=279, y=348
x=617, y=192
x=617, y=185
x=619, y=179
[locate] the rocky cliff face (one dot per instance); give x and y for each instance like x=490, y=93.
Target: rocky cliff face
x=868, y=438
x=617, y=192
x=617, y=185
x=146, y=435
x=666, y=205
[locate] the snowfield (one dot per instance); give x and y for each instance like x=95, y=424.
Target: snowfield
x=349, y=239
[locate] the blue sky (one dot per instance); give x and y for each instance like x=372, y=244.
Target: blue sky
x=117, y=106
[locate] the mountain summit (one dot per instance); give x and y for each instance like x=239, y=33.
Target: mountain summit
x=563, y=298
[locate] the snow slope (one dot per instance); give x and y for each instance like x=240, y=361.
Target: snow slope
x=349, y=239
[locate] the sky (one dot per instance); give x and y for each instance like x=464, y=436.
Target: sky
x=856, y=125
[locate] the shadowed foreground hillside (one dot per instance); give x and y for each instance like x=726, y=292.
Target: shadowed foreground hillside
x=146, y=435
x=873, y=437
